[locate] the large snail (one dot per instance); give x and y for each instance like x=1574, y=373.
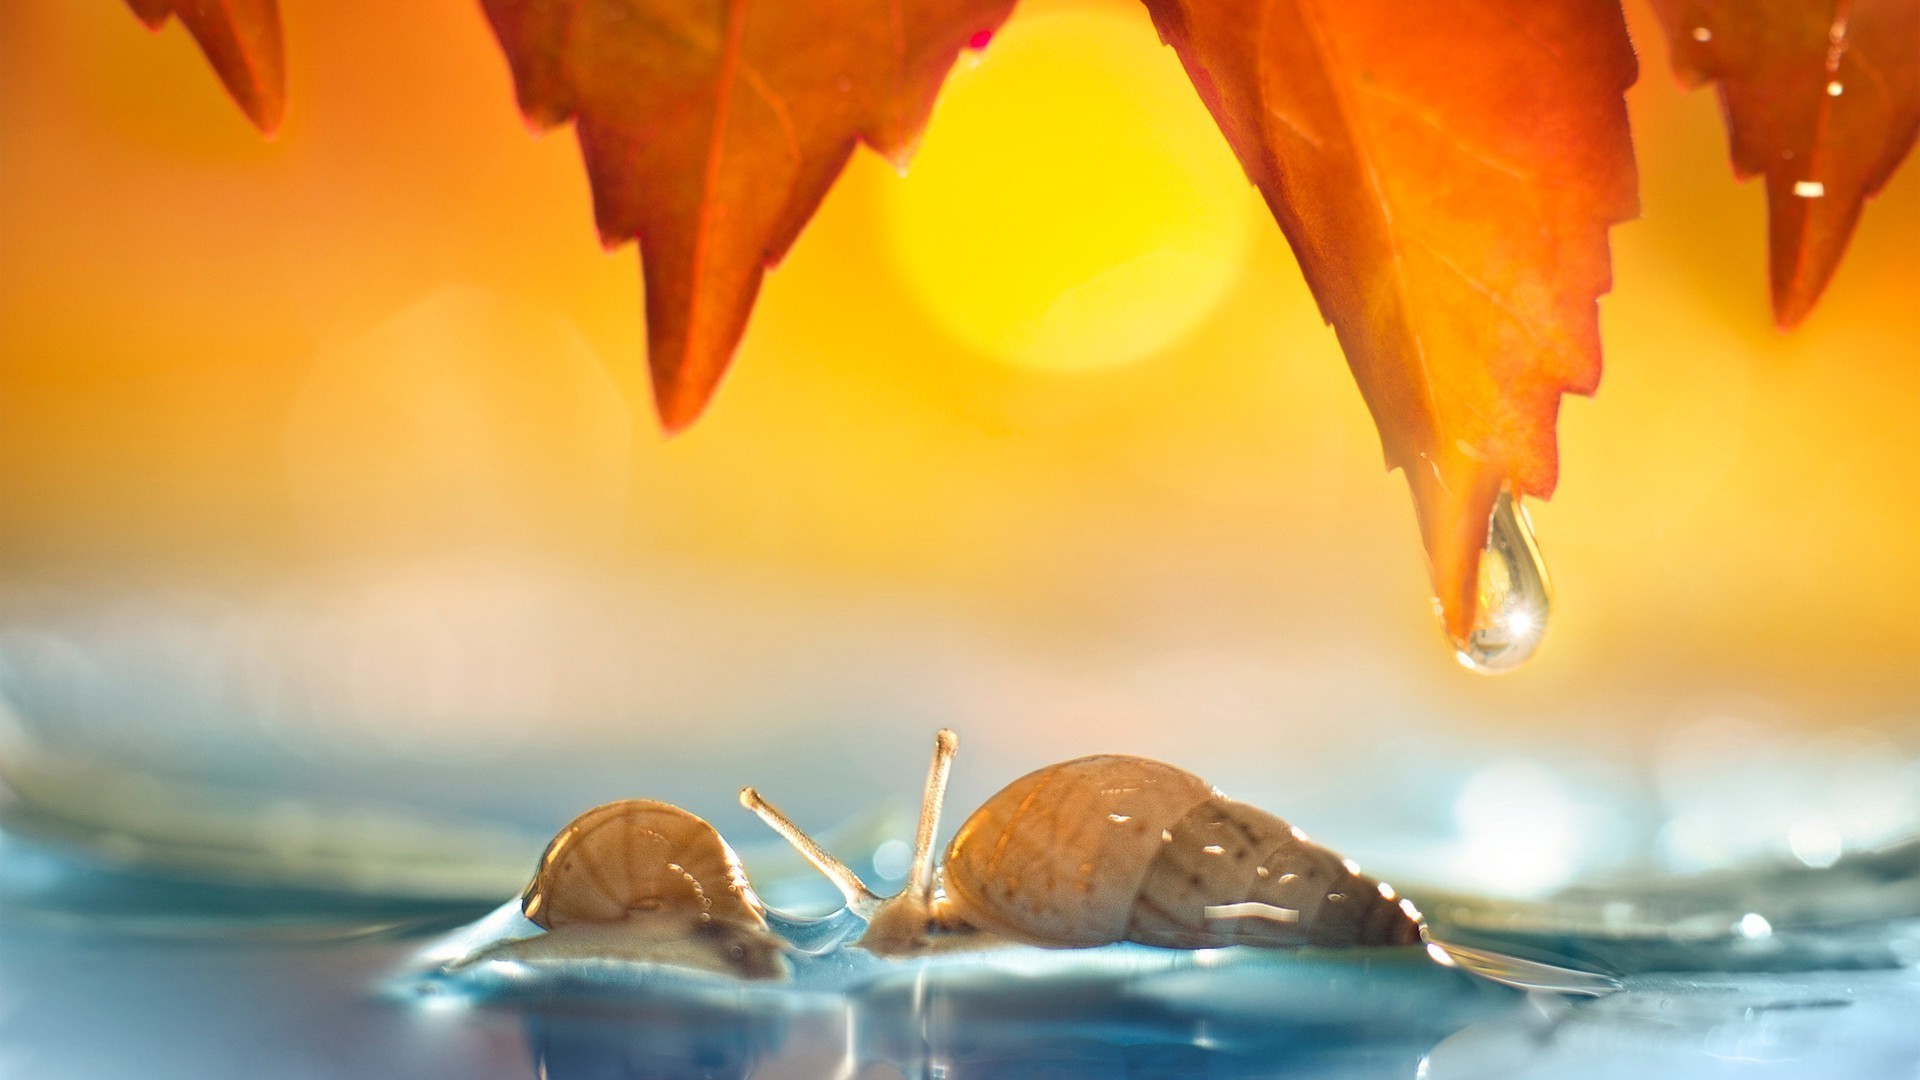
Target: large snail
x=1113, y=848
x=646, y=880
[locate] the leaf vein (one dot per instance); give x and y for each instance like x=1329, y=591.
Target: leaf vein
x=1331, y=58
x=1452, y=138
x=1493, y=296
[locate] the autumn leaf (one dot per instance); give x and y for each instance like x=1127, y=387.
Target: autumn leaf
x=1821, y=96
x=241, y=38
x=1446, y=173
x=713, y=128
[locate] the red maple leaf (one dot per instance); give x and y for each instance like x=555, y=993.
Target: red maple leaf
x=1446, y=173
x=713, y=128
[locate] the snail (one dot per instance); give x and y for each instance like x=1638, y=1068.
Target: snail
x=1113, y=848
x=645, y=880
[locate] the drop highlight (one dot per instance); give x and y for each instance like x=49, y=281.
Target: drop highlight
x=1513, y=601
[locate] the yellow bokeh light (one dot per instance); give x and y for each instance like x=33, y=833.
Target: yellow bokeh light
x=1072, y=207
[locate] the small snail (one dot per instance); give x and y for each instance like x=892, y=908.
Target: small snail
x=1113, y=848
x=646, y=880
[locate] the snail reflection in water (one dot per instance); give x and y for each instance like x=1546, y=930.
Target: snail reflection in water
x=645, y=880
x=660, y=1038
x=1113, y=848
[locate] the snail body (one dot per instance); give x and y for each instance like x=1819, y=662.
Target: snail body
x=1113, y=848
x=647, y=880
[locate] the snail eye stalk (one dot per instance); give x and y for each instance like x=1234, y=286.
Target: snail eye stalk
x=920, y=874
x=860, y=899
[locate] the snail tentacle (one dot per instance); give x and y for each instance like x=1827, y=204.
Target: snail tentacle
x=860, y=899
x=920, y=875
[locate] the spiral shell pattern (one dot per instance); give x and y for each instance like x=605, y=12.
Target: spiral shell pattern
x=634, y=857
x=1115, y=848
x=1233, y=874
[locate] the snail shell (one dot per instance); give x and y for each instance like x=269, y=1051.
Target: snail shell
x=650, y=881
x=1115, y=848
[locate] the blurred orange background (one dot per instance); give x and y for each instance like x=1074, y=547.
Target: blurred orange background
x=1059, y=390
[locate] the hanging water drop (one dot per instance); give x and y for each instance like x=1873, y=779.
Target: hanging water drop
x=1513, y=598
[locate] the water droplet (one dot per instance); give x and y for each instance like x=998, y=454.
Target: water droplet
x=1514, y=598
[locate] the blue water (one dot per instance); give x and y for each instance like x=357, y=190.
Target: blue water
x=111, y=972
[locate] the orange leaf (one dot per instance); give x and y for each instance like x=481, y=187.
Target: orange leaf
x=1446, y=173
x=1823, y=96
x=241, y=38
x=713, y=128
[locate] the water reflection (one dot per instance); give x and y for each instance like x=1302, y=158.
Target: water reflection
x=84, y=998
x=1114, y=1014
x=1358, y=1020
x=661, y=1040
x=1833, y=1024
x=1800, y=1003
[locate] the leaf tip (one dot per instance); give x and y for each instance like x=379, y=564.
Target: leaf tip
x=681, y=395
x=267, y=110
x=1454, y=505
x=244, y=47
x=674, y=422
x=676, y=408
x=1790, y=310
x=1805, y=250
